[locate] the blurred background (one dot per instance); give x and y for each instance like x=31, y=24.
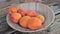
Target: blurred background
x=4, y=3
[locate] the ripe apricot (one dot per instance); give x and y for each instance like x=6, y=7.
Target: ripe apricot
x=41, y=17
x=34, y=23
x=22, y=12
x=12, y=10
x=13, y=20
x=31, y=13
x=15, y=17
x=24, y=21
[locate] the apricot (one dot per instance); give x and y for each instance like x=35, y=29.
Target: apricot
x=15, y=17
x=24, y=21
x=22, y=12
x=12, y=10
x=13, y=20
x=34, y=23
x=41, y=17
x=31, y=13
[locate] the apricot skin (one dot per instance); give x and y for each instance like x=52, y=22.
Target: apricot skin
x=31, y=13
x=41, y=17
x=22, y=12
x=34, y=23
x=24, y=21
x=15, y=17
x=13, y=20
x=12, y=10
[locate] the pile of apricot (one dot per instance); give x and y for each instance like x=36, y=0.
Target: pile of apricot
x=25, y=19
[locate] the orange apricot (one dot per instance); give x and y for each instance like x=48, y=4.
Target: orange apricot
x=22, y=12
x=31, y=13
x=34, y=23
x=13, y=20
x=24, y=21
x=15, y=17
x=12, y=10
x=41, y=17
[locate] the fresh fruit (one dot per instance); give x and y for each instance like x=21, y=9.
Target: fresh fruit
x=13, y=20
x=22, y=12
x=41, y=17
x=15, y=17
x=31, y=13
x=34, y=23
x=24, y=21
x=12, y=10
